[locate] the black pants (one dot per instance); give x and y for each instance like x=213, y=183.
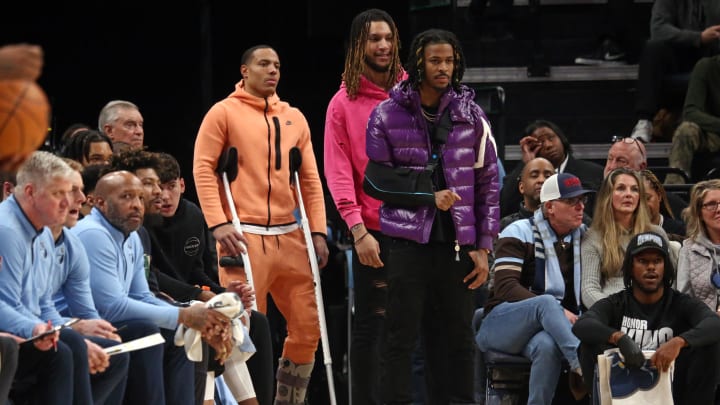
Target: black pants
x=658, y=60
x=105, y=388
x=696, y=372
x=43, y=377
x=260, y=365
x=158, y=374
x=9, y=356
x=425, y=281
x=370, y=299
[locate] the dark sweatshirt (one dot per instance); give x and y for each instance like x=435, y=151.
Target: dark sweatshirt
x=676, y=314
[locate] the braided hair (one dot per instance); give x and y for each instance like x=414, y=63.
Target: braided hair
x=78, y=146
x=415, y=65
x=355, y=55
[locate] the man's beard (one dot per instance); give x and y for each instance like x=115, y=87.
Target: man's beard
x=375, y=67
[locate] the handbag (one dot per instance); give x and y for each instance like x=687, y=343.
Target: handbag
x=616, y=384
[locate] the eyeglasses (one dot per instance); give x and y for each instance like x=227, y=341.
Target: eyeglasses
x=618, y=138
x=575, y=200
x=711, y=206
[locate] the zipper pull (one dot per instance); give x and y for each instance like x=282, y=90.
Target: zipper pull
x=457, y=251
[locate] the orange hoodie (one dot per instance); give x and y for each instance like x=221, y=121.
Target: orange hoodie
x=263, y=131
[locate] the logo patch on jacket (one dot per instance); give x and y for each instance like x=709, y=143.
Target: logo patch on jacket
x=288, y=122
x=192, y=246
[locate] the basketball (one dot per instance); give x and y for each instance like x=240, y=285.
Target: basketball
x=24, y=120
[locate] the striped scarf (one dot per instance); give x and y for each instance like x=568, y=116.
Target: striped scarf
x=548, y=276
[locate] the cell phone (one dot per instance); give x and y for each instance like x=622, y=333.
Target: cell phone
x=54, y=329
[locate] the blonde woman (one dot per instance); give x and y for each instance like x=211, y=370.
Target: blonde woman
x=699, y=263
x=620, y=213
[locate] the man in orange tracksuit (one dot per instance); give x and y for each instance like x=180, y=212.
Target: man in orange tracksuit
x=264, y=129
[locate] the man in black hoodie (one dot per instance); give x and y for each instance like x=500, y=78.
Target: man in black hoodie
x=650, y=315
x=184, y=247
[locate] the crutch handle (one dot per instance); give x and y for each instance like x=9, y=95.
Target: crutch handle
x=232, y=261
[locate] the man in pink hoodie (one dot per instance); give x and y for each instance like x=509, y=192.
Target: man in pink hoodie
x=372, y=67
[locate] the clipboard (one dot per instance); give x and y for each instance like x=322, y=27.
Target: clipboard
x=54, y=329
x=137, y=344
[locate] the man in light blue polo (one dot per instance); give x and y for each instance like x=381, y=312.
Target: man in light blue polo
x=122, y=296
x=41, y=199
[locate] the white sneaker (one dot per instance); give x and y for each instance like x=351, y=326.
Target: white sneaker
x=642, y=131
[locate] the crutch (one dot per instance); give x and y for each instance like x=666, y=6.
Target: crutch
x=227, y=168
x=295, y=162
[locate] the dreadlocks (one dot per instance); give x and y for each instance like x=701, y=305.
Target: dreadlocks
x=415, y=65
x=355, y=55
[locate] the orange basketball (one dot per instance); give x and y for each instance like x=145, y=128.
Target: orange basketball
x=24, y=120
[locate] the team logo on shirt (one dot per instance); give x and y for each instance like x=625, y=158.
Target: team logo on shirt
x=192, y=246
x=61, y=255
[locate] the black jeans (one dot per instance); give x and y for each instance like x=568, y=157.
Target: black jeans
x=425, y=286
x=370, y=299
x=658, y=60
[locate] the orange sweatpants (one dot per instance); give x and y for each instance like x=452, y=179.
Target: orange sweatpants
x=281, y=267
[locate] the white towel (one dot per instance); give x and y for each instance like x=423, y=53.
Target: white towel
x=230, y=305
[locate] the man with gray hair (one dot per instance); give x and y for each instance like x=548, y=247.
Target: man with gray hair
x=122, y=122
x=41, y=199
x=535, y=297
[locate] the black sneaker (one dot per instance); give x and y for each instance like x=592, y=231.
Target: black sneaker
x=609, y=53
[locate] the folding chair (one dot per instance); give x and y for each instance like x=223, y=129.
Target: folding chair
x=506, y=375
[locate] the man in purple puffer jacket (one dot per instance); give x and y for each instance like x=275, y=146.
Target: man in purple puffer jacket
x=433, y=164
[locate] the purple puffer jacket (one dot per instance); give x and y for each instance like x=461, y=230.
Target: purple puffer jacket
x=397, y=137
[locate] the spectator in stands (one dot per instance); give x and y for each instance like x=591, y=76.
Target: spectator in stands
x=616, y=43
x=699, y=263
x=656, y=197
x=122, y=122
x=630, y=153
x=681, y=32
x=532, y=177
x=545, y=139
x=625, y=152
x=41, y=199
x=88, y=147
x=537, y=267
x=700, y=128
x=620, y=212
x=372, y=68
x=7, y=181
x=648, y=314
x=90, y=176
x=71, y=131
x=121, y=294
